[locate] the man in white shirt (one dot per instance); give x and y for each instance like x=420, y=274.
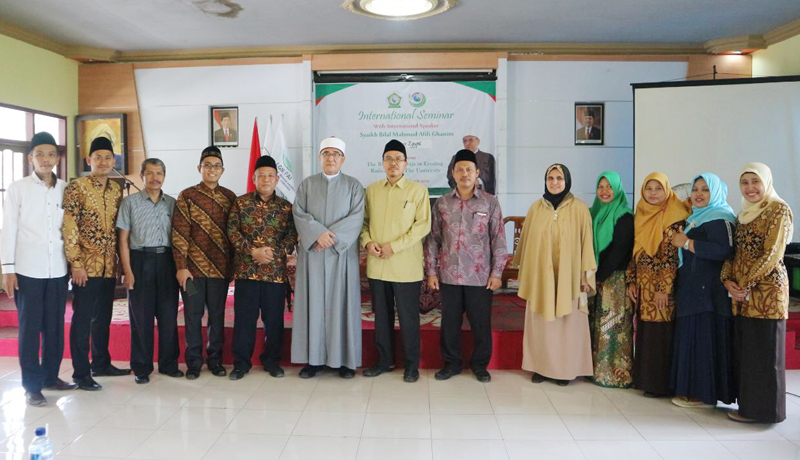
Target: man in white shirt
x=35, y=268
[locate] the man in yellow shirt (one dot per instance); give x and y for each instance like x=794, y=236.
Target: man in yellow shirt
x=397, y=218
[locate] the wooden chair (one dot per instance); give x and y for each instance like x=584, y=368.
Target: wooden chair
x=512, y=271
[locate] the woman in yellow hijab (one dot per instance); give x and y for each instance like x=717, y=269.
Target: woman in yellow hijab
x=660, y=214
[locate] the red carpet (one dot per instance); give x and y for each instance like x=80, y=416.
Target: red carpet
x=508, y=313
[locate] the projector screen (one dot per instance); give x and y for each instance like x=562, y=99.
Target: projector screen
x=687, y=128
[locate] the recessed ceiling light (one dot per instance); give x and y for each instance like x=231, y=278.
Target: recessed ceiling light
x=398, y=10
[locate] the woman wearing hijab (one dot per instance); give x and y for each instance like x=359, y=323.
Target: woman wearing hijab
x=611, y=314
x=759, y=286
x=659, y=216
x=702, y=372
x=556, y=272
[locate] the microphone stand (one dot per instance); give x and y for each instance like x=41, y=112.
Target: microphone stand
x=128, y=182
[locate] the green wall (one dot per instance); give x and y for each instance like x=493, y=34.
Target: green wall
x=778, y=60
x=38, y=79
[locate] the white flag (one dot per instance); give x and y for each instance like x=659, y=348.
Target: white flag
x=285, y=171
x=266, y=144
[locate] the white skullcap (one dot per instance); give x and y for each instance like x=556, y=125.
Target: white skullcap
x=333, y=142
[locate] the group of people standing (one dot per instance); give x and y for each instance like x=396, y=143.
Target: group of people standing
x=197, y=244
x=705, y=290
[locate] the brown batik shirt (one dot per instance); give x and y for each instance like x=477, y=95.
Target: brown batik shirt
x=90, y=216
x=199, y=231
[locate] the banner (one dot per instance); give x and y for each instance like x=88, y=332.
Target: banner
x=430, y=118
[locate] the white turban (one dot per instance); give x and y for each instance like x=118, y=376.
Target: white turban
x=332, y=142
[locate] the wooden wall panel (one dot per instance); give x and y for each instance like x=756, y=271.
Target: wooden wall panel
x=217, y=62
x=599, y=58
x=700, y=65
x=730, y=66
x=111, y=88
x=404, y=61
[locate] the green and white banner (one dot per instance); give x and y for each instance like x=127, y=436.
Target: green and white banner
x=430, y=118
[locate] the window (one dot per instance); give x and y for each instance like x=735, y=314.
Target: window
x=17, y=126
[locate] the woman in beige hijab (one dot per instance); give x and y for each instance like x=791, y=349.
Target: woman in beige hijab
x=757, y=281
x=556, y=272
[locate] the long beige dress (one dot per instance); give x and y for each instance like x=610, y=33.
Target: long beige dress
x=555, y=253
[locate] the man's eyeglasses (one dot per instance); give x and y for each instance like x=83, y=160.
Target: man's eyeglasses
x=212, y=167
x=332, y=154
x=397, y=160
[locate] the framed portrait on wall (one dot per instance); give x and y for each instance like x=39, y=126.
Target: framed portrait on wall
x=589, y=123
x=90, y=127
x=225, y=126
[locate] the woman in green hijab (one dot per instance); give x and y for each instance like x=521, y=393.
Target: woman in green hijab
x=611, y=314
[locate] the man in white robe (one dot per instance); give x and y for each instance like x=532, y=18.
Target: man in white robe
x=328, y=215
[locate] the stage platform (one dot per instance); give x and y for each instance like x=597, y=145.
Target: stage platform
x=508, y=314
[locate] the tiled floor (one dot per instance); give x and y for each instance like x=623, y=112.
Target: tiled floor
x=383, y=418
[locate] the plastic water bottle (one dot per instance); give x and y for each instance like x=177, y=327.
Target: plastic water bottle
x=41, y=448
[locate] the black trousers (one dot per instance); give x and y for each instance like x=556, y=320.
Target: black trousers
x=154, y=296
x=476, y=301
x=212, y=294
x=40, y=306
x=249, y=299
x=92, y=306
x=385, y=295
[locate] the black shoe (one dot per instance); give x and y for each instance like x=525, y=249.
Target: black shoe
x=308, y=372
x=375, y=371
x=35, y=398
x=177, y=373
x=218, y=370
x=88, y=384
x=537, y=378
x=446, y=373
x=237, y=374
x=483, y=375
x=142, y=379
x=110, y=371
x=562, y=383
x=60, y=385
x=192, y=374
x=346, y=373
x=274, y=371
x=411, y=375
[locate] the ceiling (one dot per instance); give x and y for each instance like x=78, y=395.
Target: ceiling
x=139, y=25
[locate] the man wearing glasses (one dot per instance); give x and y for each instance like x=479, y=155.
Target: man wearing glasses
x=202, y=256
x=328, y=215
x=397, y=218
